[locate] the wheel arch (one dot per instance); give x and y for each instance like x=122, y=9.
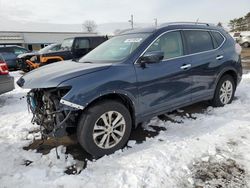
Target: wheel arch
x=232, y=72
x=120, y=97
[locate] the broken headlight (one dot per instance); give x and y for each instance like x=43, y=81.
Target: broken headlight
x=48, y=112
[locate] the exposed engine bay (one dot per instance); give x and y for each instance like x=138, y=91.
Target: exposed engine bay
x=49, y=113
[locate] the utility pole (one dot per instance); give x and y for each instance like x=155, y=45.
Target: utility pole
x=155, y=22
x=132, y=21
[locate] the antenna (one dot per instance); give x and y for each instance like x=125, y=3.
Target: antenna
x=155, y=22
x=132, y=21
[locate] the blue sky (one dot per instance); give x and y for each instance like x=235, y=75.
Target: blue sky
x=104, y=11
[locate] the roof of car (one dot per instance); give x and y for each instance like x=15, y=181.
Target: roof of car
x=94, y=36
x=11, y=46
x=171, y=25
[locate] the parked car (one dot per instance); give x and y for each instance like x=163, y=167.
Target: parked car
x=6, y=81
x=242, y=37
x=10, y=54
x=244, y=41
x=21, y=59
x=131, y=78
x=71, y=48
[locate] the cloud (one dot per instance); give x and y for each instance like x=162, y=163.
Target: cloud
x=76, y=11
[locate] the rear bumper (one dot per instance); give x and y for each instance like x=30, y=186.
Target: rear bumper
x=6, y=83
x=239, y=72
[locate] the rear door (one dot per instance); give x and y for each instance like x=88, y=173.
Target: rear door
x=206, y=57
x=166, y=84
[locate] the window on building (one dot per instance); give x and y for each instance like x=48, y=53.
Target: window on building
x=30, y=47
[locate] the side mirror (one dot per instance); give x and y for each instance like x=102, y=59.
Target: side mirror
x=152, y=57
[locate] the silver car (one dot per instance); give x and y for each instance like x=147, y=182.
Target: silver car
x=244, y=41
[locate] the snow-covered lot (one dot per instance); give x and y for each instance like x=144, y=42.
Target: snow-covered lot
x=212, y=147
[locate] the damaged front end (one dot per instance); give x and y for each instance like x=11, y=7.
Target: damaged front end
x=52, y=116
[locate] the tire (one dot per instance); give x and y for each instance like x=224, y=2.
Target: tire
x=246, y=44
x=95, y=115
x=218, y=99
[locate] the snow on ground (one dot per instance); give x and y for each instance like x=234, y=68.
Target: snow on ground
x=166, y=160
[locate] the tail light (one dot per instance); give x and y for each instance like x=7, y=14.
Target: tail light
x=238, y=48
x=3, y=68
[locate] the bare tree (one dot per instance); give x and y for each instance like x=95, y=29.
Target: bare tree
x=219, y=24
x=89, y=26
x=240, y=24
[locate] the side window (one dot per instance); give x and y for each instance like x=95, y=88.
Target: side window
x=169, y=43
x=218, y=38
x=55, y=48
x=198, y=41
x=82, y=44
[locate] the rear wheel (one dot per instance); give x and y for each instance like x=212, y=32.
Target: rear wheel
x=104, y=128
x=224, y=92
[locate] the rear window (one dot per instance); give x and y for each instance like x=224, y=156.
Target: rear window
x=198, y=41
x=218, y=38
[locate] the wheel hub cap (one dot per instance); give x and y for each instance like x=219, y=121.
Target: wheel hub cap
x=226, y=92
x=109, y=129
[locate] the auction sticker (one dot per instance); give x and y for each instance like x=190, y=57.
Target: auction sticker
x=133, y=40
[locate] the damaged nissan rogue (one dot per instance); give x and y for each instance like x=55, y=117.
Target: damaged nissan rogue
x=131, y=78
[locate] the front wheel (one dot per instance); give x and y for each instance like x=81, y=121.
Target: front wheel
x=224, y=92
x=104, y=128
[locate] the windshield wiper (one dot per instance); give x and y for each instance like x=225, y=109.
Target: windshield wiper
x=86, y=62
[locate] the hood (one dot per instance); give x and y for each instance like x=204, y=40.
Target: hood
x=52, y=75
x=55, y=53
x=20, y=56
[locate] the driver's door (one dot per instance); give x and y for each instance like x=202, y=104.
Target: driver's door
x=168, y=83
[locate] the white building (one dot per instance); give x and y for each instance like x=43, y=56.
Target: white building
x=36, y=40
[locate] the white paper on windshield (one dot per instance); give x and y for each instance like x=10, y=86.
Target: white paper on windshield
x=133, y=40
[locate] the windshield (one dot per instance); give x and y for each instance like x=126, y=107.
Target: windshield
x=67, y=44
x=115, y=49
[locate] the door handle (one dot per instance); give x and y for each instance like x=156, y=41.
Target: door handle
x=185, y=66
x=219, y=57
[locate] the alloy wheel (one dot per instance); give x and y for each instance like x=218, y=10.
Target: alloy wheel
x=109, y=129
x=226, y=92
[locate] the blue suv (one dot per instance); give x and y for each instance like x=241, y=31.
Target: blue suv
x=131, y=78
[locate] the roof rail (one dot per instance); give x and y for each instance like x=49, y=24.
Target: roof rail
x=187, y=23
